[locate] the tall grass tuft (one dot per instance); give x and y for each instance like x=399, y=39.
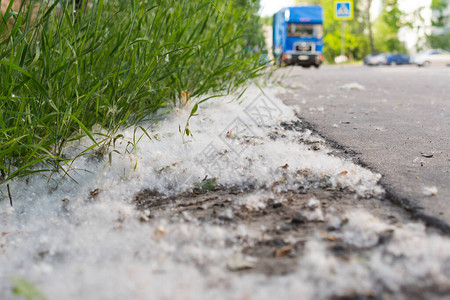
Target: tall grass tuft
x=112, y=63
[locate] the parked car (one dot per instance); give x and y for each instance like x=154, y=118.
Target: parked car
x=386, y=59
x=397, y=59
x=376, y=59
x=435, y=57
x=367, y=58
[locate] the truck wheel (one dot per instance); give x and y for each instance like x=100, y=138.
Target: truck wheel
x=306, y=66
x=317, y=66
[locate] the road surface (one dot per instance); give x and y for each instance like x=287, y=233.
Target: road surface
x=396, y=119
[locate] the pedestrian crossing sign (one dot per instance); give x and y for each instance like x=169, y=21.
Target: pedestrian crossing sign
x=343, y=10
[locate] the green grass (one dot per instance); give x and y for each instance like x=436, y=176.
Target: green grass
x=116, y=64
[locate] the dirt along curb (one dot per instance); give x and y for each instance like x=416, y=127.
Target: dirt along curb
x=286, y=222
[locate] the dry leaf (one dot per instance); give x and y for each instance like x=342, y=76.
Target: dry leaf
x=159, y=232
x=328, y=237
x=144, y=218
x=343, y=173
x=283, y=251
x=185, y=97
x=95, y=192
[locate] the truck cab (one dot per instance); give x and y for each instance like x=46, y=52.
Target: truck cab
x=298, y=36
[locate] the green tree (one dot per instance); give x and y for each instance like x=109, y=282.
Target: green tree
x=367, y=4
x=253, y=33
x=441, y=41
x=387, y=27
x=438, y=7
x=438, y=21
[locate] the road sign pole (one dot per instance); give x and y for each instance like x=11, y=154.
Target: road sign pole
x=342, y=38
x=343, y=10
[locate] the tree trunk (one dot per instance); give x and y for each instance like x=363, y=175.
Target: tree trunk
x=369, y=26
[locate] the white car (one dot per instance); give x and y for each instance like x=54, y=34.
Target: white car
x=435, y=57
x=376, y=59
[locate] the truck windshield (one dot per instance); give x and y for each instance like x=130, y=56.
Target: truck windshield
x=304, y=30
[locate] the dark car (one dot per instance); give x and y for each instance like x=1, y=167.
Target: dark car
x=379, y=59
x=397, y=59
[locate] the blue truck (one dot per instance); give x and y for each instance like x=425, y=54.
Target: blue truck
x=298, y=36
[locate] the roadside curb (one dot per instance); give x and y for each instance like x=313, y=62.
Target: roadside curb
x=392, y=196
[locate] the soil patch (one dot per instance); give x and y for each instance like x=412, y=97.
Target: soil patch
x=283, y=220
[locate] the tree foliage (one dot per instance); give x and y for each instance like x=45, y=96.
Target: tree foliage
x=253, y=33
x=438, y=6
x=387, y=27
x=438, y=21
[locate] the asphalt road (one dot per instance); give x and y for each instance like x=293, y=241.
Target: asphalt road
x=396, y=119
